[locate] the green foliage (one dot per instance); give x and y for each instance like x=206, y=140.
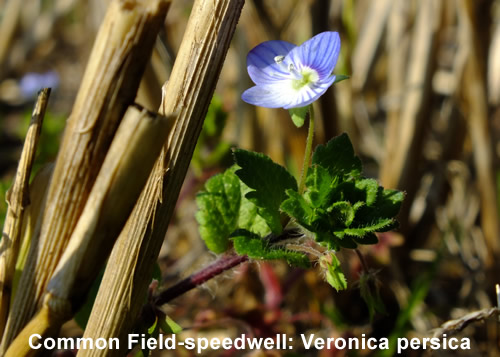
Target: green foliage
x=161, y=324
x=219, y=207
x=340, y=78
x=269, y=182
x=299, y=115
x=255, y=247
x=333, y=271
x=338, y=157
x=249, y=217
x=223, y=207
x=339, y=206
x=170, y=326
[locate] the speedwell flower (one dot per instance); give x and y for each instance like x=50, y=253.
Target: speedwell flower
x=289, y=76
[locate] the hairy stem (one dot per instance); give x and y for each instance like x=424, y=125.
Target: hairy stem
x=222, y=264
x=307, y=154
x=226, y=262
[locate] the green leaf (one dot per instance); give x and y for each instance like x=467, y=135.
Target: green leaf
x=340, y=78
x=169, y=326
x=248, y=243
x=153, y=327
x=338, y=157
x=219, y=207
x=328, y=239
x=299, y=115
x=382, y=225
x=249, y=217
x=343, y=212
x=297, y=207
x=333, y=271
x=370, y=238
x=389, y=202
x=319, y=185
x=370, y=187
x=153, y=331
x=269, y=182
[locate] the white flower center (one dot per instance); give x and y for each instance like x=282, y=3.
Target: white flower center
x=305, y=77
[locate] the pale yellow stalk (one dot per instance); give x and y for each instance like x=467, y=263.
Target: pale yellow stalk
x=189, y=91
x=109, y=86
x=18, y=198
x=124, y=172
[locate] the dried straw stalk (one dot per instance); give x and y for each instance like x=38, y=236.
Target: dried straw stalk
x=473, y=89
x=399, y=167
x=124, y=172
x=109, y=86
x=8, y=24
x=18, y=198
x=188, y=92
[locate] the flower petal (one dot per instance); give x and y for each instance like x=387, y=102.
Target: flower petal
x=319, y=53
x=269, y=96
x=261, y=63
x=308, y=94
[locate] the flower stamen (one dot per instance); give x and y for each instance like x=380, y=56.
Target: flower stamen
x=306, y=77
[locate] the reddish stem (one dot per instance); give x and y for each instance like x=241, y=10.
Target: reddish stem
x=219, y=266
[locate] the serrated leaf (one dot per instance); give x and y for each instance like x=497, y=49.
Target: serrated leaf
x=319, y=186
x=219, y=207
x=370, y=187
x=269, y=182
x=249, y=217
x=248, y=243
x=342, y=212
x=298, y=208
x=383, y=225
x=299, y=115
x=333, y=272
x=369, y=238
x=328, y=239
x=338, y=157
x=389, y=202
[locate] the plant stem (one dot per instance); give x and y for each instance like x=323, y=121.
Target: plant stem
x=222, y=264
x=307, y=154
x=219, y=266
x=362, y=260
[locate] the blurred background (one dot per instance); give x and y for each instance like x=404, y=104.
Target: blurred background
x=421, y=108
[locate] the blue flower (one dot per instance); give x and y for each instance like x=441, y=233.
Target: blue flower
x=31, y=83
x=289, y=76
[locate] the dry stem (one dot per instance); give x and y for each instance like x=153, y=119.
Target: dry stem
x=109, y=86
x=18, y=199
x=189, y=91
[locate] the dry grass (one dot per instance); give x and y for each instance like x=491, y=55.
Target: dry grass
x=422, y=109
